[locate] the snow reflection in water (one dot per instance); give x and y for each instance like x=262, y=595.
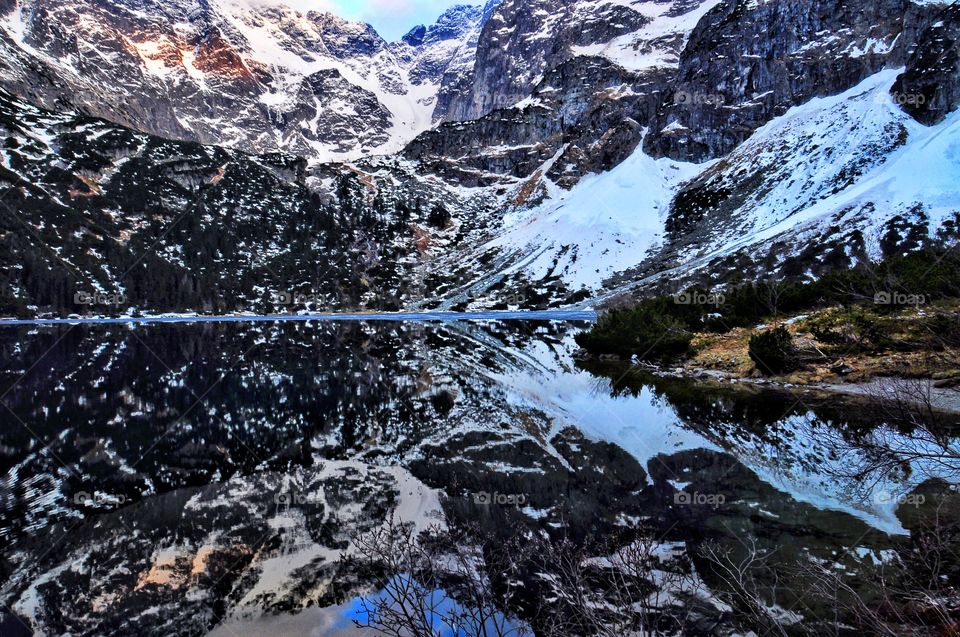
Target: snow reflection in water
x=221, y=469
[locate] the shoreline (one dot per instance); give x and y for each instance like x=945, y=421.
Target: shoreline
x=942, y=400
x=440, y=316
x=888, y=388
x=908, y=355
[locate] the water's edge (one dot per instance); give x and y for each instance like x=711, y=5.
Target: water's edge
x=519, y=315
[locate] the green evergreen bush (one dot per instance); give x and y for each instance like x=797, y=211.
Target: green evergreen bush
x=773, y=351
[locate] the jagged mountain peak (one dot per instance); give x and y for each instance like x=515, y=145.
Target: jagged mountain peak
x=524, y=39
x=453, y=23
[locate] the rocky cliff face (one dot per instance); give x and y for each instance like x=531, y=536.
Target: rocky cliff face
x=459, y=74
x=428, y=50
x=778, y=191
x=563, y=105
x=258, y=76
x=930, y=88
x=522, y=40
x=748, y=61
x=582, y=117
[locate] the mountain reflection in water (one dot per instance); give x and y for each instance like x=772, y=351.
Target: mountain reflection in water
x=211, y=475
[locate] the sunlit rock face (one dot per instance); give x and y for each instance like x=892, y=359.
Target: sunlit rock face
x=259, y=76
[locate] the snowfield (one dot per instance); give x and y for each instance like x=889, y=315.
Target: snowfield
x=855, y=160
x=605, y=224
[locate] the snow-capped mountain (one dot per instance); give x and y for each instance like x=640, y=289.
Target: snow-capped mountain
x=252, y=74
x=522, y=40
x=610, y=156
x=432, y=53
x=837, y=180
x=786, y=183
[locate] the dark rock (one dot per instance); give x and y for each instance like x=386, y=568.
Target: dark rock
x=929, y=89
x=415, y=36
x=747, y=62
x=523, y=39
x=842, y=369
x=588, y=104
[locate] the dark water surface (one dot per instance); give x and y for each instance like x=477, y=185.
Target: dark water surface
x=183, y=478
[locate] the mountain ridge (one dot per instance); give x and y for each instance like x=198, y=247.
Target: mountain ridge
x=257, y=76
x=563, y=198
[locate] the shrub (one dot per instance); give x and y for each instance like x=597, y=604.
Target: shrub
x=644, y=331
x=851, y=327
x=944, y=328
x=773, y=351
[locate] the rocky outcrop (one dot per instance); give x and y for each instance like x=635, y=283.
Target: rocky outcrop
x=930, y=87
x=747, y=62
x=343, y=107
x=523, y=39
x=579, y=105
x=459, y=75
x=429, y=50
x=585, y=112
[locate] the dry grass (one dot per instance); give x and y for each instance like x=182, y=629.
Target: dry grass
x=910, y=349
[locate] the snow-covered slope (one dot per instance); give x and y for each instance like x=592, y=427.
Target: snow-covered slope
x=848, y=176
x=605, y=224
x=832, y=181
x=884, y=163
x=660, y=40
